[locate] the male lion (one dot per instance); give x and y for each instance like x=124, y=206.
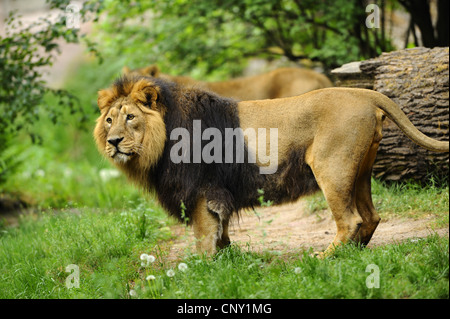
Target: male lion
x=282, y=82
x=327, y=140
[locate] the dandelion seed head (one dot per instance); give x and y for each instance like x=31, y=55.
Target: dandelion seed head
x=143, y=257
x=182, y=267
x=297, y=270
x=170, y=273
x=40, y=173
x=107, y=174
x=150, y=277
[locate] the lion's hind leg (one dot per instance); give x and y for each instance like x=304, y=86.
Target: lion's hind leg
x=341, y=160
x=346, y=215
x=336, y=167
x=339, y=193
x=364, y=203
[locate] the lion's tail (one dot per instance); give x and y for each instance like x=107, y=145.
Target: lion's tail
x=393, y=111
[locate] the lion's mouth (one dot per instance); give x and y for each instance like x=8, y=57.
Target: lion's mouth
x=120, y=152
x=122, y=157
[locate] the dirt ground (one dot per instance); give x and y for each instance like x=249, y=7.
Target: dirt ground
x=288, y=228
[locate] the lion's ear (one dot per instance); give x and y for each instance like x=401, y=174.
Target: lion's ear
x=104, y=99
x=126, y=70
x=152, y=70
x=146, y=92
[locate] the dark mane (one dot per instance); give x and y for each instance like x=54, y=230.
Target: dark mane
x=123, y=84
x=234, y=185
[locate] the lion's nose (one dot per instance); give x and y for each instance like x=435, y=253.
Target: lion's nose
x=115, y=141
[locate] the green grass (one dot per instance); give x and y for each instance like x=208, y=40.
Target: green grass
x=416, y=269
x=106, y=247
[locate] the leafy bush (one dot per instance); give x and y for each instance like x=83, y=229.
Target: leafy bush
x=24, y=51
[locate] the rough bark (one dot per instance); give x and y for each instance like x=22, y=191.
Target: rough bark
x=418, y=81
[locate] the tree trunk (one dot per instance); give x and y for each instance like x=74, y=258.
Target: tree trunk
x=442, y=25
x=418, y=81
x=420, y=14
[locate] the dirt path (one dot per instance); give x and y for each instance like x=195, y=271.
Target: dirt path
x=288, y=228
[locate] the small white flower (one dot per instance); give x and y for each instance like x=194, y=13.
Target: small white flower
x=40, y=173
x=146, y=259
x=182, y=267
x=297, y=270
x=133, y=293
x=26, y=174
x=143, y=257
x=106, y=174
x=150, y=277
x=67, y=172
x=170, y=273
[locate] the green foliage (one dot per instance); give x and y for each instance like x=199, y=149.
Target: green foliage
x=147, y=32
x=216, y=38
x=24, y=51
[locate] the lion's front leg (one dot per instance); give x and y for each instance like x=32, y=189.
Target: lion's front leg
x=207, y=229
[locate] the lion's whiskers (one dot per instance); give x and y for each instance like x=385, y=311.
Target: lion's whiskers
x=138, y=149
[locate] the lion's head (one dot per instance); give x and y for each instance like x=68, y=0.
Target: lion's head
x=130, y=130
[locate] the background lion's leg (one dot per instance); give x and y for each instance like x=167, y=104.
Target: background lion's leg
x=206, y=228
x=364, y=203
x=224, y=240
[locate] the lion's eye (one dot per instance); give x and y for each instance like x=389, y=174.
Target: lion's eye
x=130, y=117
x=109, y=120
